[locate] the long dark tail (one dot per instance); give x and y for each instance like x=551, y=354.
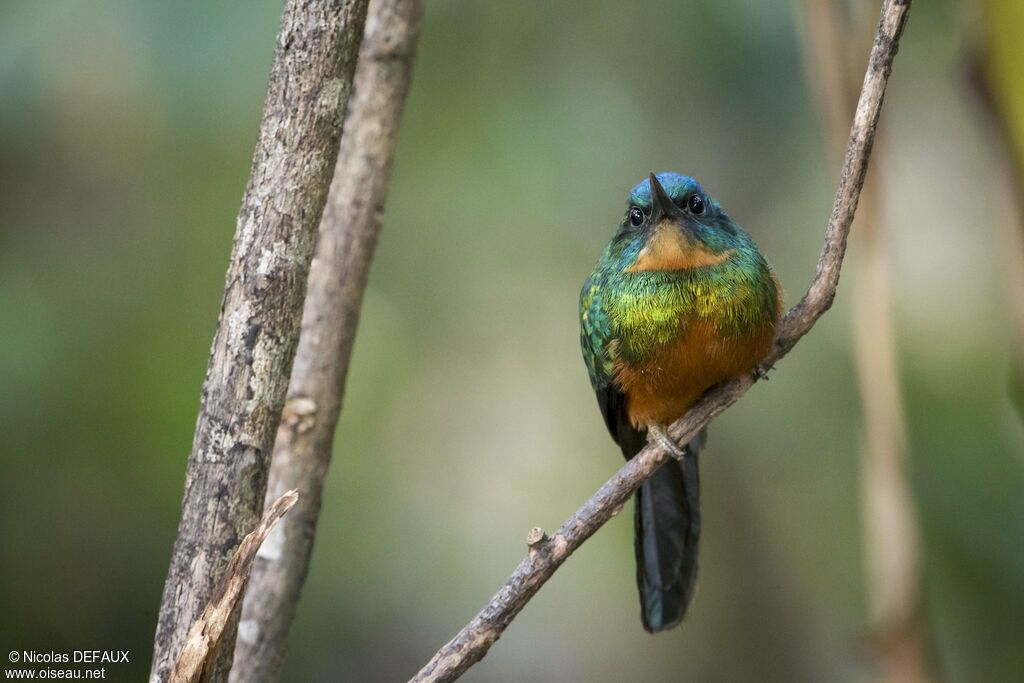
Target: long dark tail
x=667, y=533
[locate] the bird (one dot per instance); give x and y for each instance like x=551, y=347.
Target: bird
x=680, y=301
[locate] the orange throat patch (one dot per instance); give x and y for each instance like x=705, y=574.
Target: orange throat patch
x=670, y=249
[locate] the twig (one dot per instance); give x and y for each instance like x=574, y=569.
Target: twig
x=258, y=329
x=199, y=654
x=474, y=640
x=337, y=280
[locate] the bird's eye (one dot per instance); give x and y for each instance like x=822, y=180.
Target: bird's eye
x=696, y=204
x=636, y=216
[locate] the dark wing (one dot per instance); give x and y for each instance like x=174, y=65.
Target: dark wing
x=596, y=341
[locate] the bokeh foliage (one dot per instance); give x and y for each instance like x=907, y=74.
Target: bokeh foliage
x=126, y=131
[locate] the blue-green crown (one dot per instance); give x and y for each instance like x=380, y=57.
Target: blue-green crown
x=677, y=186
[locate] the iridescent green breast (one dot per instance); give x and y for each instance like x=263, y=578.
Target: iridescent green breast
x=642, y=312
x=679, y=299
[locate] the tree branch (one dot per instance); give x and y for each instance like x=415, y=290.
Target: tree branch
x=474, y=640
x=337, y=280
x=258, y=329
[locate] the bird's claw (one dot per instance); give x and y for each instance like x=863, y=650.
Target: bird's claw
x=659, y=436
x=761, y=372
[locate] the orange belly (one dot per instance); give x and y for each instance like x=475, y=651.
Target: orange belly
x=663, y=389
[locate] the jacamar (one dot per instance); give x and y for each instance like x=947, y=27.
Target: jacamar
x=680, y=301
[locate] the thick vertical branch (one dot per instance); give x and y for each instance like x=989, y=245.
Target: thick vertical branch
x=337, y=280
x=891, y=534
x=546, y=555
x=258, y=329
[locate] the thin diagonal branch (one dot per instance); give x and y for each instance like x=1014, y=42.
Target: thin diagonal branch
x=258, y=329
x=337, y=280
x=202, y=646
x=474, y=640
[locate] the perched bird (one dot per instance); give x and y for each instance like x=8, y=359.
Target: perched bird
x=680, y=300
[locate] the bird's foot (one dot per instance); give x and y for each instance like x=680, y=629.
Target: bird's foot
x=761, y=372
x=659, y=436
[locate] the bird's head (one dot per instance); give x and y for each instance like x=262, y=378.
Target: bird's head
x=671, y=224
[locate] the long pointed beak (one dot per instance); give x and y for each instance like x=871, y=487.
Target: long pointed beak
x=661, y=203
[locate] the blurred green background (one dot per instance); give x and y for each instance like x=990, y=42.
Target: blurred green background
x=126, y=132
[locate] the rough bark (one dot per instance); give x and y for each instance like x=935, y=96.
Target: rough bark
x=258, y=328
x=337, y=280
x=546, y=555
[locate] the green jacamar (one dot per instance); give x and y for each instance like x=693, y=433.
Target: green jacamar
x=680, y=301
